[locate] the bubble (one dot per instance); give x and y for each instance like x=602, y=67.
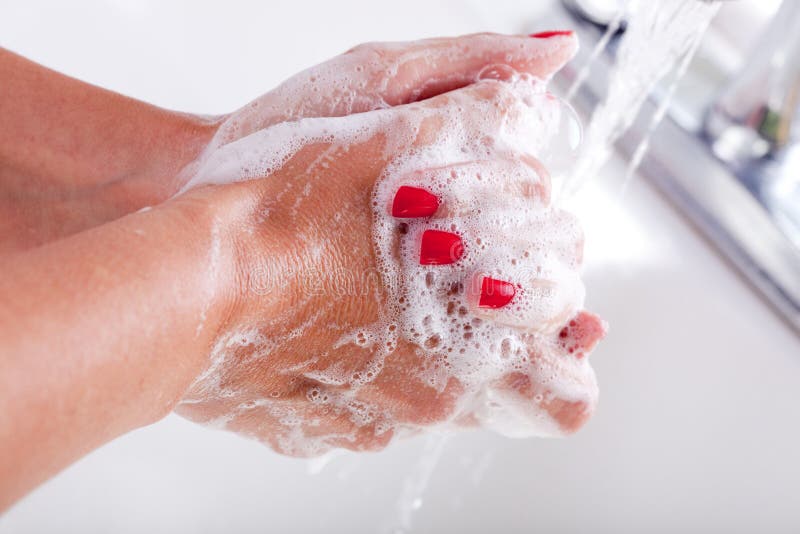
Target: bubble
x=500, y=72
x=562, y=148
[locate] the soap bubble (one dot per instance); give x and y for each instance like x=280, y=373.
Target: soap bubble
x=561, y=149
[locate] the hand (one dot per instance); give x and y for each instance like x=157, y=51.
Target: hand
x=325, y=344
x=295, y=271
x=73, y=156
x=382, y=75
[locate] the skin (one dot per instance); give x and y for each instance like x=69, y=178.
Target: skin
x=111, y=314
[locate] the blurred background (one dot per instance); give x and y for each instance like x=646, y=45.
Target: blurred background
x=698, y=427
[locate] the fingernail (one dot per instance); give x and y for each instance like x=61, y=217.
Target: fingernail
x=440, y=248
x=412, y=202
x=495, y=293
x=548, y=34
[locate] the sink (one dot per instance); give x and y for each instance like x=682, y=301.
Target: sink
x=750, y=213
x=696, y=428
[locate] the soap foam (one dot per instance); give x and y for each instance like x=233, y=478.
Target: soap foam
x=519, y=239
x=480, y=153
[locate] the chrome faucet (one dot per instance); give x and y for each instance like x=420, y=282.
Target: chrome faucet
x=755, y=112
x=738, y=175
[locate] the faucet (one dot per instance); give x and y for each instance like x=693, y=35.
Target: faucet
x=738, y=175
x=754, y=113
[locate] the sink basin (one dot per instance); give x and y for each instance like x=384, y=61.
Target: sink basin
x=696, y=428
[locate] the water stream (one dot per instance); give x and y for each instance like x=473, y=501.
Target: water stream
x=660, y=39
x=656, y=48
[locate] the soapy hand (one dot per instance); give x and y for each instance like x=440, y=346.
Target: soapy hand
x=400, y=262
x=367, y=251
x=382, y=75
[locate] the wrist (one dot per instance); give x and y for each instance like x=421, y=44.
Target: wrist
x=184, y=247
x=217, y=221
x=175, y=141
x=254, y=283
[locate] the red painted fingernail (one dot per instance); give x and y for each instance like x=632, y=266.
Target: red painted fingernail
x=440, y=248
x=495, y=293
x=554, y=33
x=414, y=202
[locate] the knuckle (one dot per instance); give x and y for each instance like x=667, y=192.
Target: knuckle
x=498, y=96
x=574, y=416
x=506, y=99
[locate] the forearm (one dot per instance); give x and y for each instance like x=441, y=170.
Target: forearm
x=102, y=332
x=73, y=155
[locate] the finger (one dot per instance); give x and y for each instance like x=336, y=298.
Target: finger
x=309, y=420
x=376, y=75
x=423, y=69
x=466, y=188
x=527, y=274
x=526, y=406
x=487, y=111
x=555, y=394
x=536, y=297
x=523, y=255
x=580, y=336
x=475, y=145
x=558, y=381
x=489, y=119
x=379, y=75
x=415, y=387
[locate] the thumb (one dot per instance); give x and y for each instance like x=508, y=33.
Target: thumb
x=426, y=68
x=379, y=75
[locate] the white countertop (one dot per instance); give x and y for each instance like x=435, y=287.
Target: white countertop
x=699, y=420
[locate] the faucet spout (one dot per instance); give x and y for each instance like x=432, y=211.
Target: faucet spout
x=754, y=114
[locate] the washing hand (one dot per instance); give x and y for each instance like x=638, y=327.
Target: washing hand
x=402, y=267
x=366, y=251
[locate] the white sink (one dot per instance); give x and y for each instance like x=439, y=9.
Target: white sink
x=697, y=428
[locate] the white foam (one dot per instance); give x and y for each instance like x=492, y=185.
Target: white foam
x=495, y=195
x=525, y=241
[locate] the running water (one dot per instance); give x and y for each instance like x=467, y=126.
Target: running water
x=415, y=484
x=659, y=40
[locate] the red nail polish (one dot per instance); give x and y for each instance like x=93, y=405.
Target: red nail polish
x=495, y=293
x=555, y=33
x=440, y=248
x=414, y=202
